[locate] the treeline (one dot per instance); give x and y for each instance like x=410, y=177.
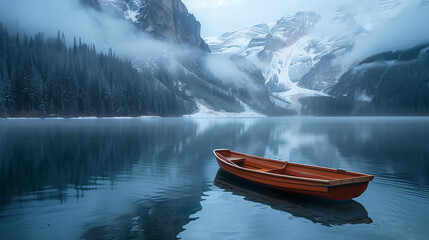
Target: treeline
x=394, y=83
x=42, y=77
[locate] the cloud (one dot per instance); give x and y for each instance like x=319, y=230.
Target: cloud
x=108, y=30
x=408, y=29
x=213, y=4
x=219, y=16
x=70, y=17
x=226, y=70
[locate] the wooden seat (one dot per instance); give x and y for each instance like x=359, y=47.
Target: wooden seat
x=277, y=170
x=235, y=160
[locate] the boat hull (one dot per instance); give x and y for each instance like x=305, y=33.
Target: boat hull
x=321, y=189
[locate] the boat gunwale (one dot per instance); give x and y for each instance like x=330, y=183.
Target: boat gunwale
x=358, y=178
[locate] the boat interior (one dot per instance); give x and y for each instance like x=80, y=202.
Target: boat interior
x=285, y=168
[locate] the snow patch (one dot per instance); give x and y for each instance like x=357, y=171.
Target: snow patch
x=423, y=52
x=131, y=15
x=206, y=112
x=238, y=42
x=295, y=93
x=363, y=97
x=291, y=63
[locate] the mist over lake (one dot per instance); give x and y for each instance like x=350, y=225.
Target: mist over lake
x=158, y=178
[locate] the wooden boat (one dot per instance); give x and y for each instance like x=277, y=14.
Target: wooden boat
x=335, y=184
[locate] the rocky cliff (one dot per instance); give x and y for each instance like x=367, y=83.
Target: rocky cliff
x=169, y=19
x=164, y=19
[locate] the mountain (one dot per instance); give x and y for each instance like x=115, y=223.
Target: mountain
x=164, y=19
x=388, y=83
x=238, y=42
x=261, y=43
x=394, y=82
x=271, y=49
x=303, y=63
x=302, y=55
x=338, y=34
x=235, y=87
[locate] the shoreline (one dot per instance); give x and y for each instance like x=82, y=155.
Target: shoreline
x=216, y=117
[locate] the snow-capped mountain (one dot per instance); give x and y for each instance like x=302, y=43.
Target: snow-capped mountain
x=222, y=85
x=388, y=83
x=303, y=54
x=239, y=41
x=261, y=40
x=273, y=49
x=266, y=67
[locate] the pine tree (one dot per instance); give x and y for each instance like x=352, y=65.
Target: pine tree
x=44, y=77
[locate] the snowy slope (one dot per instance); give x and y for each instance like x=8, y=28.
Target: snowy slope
x=210, y=85
x=277, y=51
x=302, y=54
x=238, y=41
x=206, y=111
x=124, y=8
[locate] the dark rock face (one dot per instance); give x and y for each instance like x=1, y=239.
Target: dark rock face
x=164, y=19
x=169, y=19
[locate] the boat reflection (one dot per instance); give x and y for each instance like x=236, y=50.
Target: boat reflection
x=326, y=212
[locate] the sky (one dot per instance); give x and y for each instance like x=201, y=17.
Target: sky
x=219, y=16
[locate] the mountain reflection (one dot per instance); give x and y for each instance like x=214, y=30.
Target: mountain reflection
x=75, y=154
x=146, y=179
x=325, y=212
x=72, y=153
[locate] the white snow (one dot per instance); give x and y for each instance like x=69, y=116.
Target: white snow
x=238, y=42
x=131, y=15
x=206, y=112
x=363, y=97
x=128, y=9
x=295, y=93
x=286, y=62
x=334, y=34
x=423, y=52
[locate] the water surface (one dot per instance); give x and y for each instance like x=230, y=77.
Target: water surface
x=158, y=179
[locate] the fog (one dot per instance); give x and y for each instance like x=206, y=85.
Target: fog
x=70, y=17
x=223, y=68
x=375, y=26
x=220, y=16
x=107, y=31
x=407, y=30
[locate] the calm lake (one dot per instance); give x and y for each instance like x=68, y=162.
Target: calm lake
x=158, y=179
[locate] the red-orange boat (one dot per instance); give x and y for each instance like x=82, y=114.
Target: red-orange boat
x=335, y=184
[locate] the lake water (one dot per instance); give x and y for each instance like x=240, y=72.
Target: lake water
x=158, y=179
